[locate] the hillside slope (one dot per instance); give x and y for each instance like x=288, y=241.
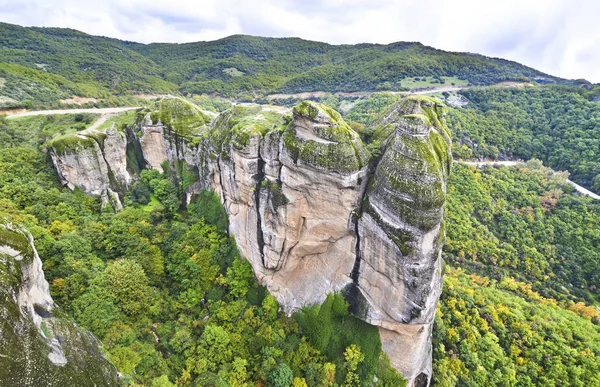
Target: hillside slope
x=47, y=64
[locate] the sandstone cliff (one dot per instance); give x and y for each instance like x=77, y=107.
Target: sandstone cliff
x=309, y=206
x=93, y=161
x=38, y=348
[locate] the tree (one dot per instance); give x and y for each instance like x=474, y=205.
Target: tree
x=596, y=185
x=214, y=347
x=238, y=376
x=162, y=381
x=353, y=357
x=128, y=282
x=282, y=376
x=299, y=382
x=239, y=277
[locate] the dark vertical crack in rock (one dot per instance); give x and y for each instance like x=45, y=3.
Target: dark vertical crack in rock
x=260, y=177
x=352, y=293
x=112, y=180
x=133, y=152
x=223, y=198
x=356, y=268
x=178, y=161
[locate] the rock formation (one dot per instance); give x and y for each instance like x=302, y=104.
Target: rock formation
x=310, y=207
x=93, y=161
x=401, y=233
x=37, y=348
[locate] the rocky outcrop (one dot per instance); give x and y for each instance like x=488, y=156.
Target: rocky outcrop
x=312, y=210
x=38, y=348
x=401, y=232
x=95, y=161
x=290, y=193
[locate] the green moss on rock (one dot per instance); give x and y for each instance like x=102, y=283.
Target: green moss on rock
x=183, y=118
x=410, y=178
x=71, y=143
x=16, y=241
x=338, y=147
x=275, y=193
x=236, y=126
x=25, y=349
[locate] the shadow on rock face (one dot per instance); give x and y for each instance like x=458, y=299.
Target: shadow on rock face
x=422, y=380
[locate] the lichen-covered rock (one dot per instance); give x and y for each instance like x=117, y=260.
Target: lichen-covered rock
x=402, y=232
x=314, y=213
x=171, y=131
x=320, y=138
x=80, y=163
x=37, y=347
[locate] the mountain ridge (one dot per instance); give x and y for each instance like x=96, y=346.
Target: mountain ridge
x=46, y=64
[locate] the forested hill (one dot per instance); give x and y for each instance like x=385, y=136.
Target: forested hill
x=44, y=65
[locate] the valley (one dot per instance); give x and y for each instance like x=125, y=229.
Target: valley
x=279, y=212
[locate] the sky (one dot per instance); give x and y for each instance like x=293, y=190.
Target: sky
x=559, y=37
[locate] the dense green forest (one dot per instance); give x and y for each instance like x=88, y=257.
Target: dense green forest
x=165, y=290
x=558, y=125
x=525, y=223
x=501, y=333
x=520, y=310
x=44, y=65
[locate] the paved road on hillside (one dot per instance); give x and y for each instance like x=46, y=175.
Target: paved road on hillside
x=434, y=90
x=578, y=188
x=72, y=111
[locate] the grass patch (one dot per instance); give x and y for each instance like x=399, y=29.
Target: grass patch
x=152, y=205
x=36, y=130
x=119, y=121
x=232, y=71
x=47, y=332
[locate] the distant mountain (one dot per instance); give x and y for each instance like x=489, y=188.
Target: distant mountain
x=47, y=64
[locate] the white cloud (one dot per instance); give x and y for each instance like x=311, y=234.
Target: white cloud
x=556, y=36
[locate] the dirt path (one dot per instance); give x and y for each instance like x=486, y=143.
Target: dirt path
x=361, y=94
x=105, y=114
x=482, y=163
x=578, y=188
x=583, y=191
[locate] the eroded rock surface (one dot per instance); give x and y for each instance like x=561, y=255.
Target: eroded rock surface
x=310, y=207
x=96, y=162
x=38, y=348
x=401, y=232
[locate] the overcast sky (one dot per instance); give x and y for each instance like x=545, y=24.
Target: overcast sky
x=560, y=37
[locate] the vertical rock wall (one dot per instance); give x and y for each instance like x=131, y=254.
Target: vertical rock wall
x=402, y=233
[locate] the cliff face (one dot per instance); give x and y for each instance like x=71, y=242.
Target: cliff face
x=95, y=162
x=37, y=347
x=309, y=206
x=401, y=233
